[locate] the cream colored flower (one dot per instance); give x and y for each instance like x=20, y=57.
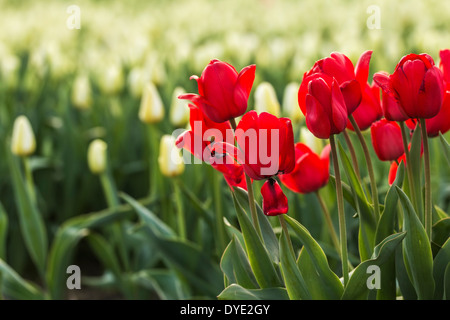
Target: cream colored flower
x=23, y=140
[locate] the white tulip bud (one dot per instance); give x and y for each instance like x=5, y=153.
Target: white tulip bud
x=97, y=157
x=151, y=109
x=266, y=99
x=179, y=110
x=291, y=109
x=170, y=160
x=23, y=140
x=81, y=92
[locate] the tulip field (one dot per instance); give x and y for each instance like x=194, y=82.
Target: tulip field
x=225, y=150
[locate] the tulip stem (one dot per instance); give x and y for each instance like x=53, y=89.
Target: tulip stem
x=329, y=222
x=29, y=178
x=426, y=154
x=408, y=163
x=153, y=164
x=220, y=226
x=373, y=182
x=340, y=205
x=180, y=212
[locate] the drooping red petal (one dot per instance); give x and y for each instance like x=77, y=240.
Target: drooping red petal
x=243, y=86
x=274, y=200
x=362, y=68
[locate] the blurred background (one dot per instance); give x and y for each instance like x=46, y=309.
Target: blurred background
x=79, y=84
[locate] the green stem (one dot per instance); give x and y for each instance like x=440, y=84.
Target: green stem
x=286, y=232
x=426, y=154
x=408, y=164
x=251, y=203
x=373, y=182
x=218, y=210
x=153, y=160
x=340, y=205
x=180, y=212
x=352, y=154
x=112, y=199
x=329, y=222
x=29, y=178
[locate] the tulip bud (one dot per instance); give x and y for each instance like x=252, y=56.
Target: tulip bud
x=97, y=158
x=266, y=99
x=152, y=109
x=387, y=140
x=290, y=103
x=179, y=110
x=81, y=92
x=112, y=80
x=23, y=141
x=170, y=160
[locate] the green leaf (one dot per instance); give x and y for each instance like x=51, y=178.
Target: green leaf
x=416, y=164
x=235, y=265
x=149, y=218
x=440, y=263
x=357, y=285
x=260, y=261
x=269, y=237
x=31, y=222
x=190, y=261
x=164, y=282
x=330, y=285
x=293, y=279
x=440, y=233
x=447, y=283
x=417, y=251
x=385, y=227
x=236, y=292
x=367, y=223
x=13, y=286
x=445, y=147
x=3, y=231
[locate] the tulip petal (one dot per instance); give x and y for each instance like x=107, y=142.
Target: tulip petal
x=274, y=200
x=317, y=119
x=431, y=94
x=243, y=86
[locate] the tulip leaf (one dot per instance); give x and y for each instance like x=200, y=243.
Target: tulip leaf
x=447, y=283
x=190, y=261
x=31, y=221
x=440, y=263
x=293, y=279
x=445, y=147
x=3, y=231
x=164, y=282
x=13, y=286
x=149, y=218
x=416, y=164
x=385, y=228
x=330, y=284
x=235, y=265
x=262, y=265
x=269, y=237
x=440, y=233
x=357, y=287
x=417, y=251
x=236, y=292
x=367, y=223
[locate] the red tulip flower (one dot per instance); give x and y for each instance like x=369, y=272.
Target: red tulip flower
x=267, y=145
x=222, y=91
x=200, y=140
x=369, y=109
x=387, y=140
x=417, y=85
x=325, y=111
x=311, y=171
x=349, y=79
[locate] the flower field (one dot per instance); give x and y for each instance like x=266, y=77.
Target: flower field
x=231, y=150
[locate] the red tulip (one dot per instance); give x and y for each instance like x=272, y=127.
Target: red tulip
x=274, y=200
x=339, y=67
x=392, y=110
x=267, y=145
x=223, y=92
x=387, y=140
x=326, y=113
x=311, y=171
x=417, y=84
x=444, y=64
x=203, y=131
